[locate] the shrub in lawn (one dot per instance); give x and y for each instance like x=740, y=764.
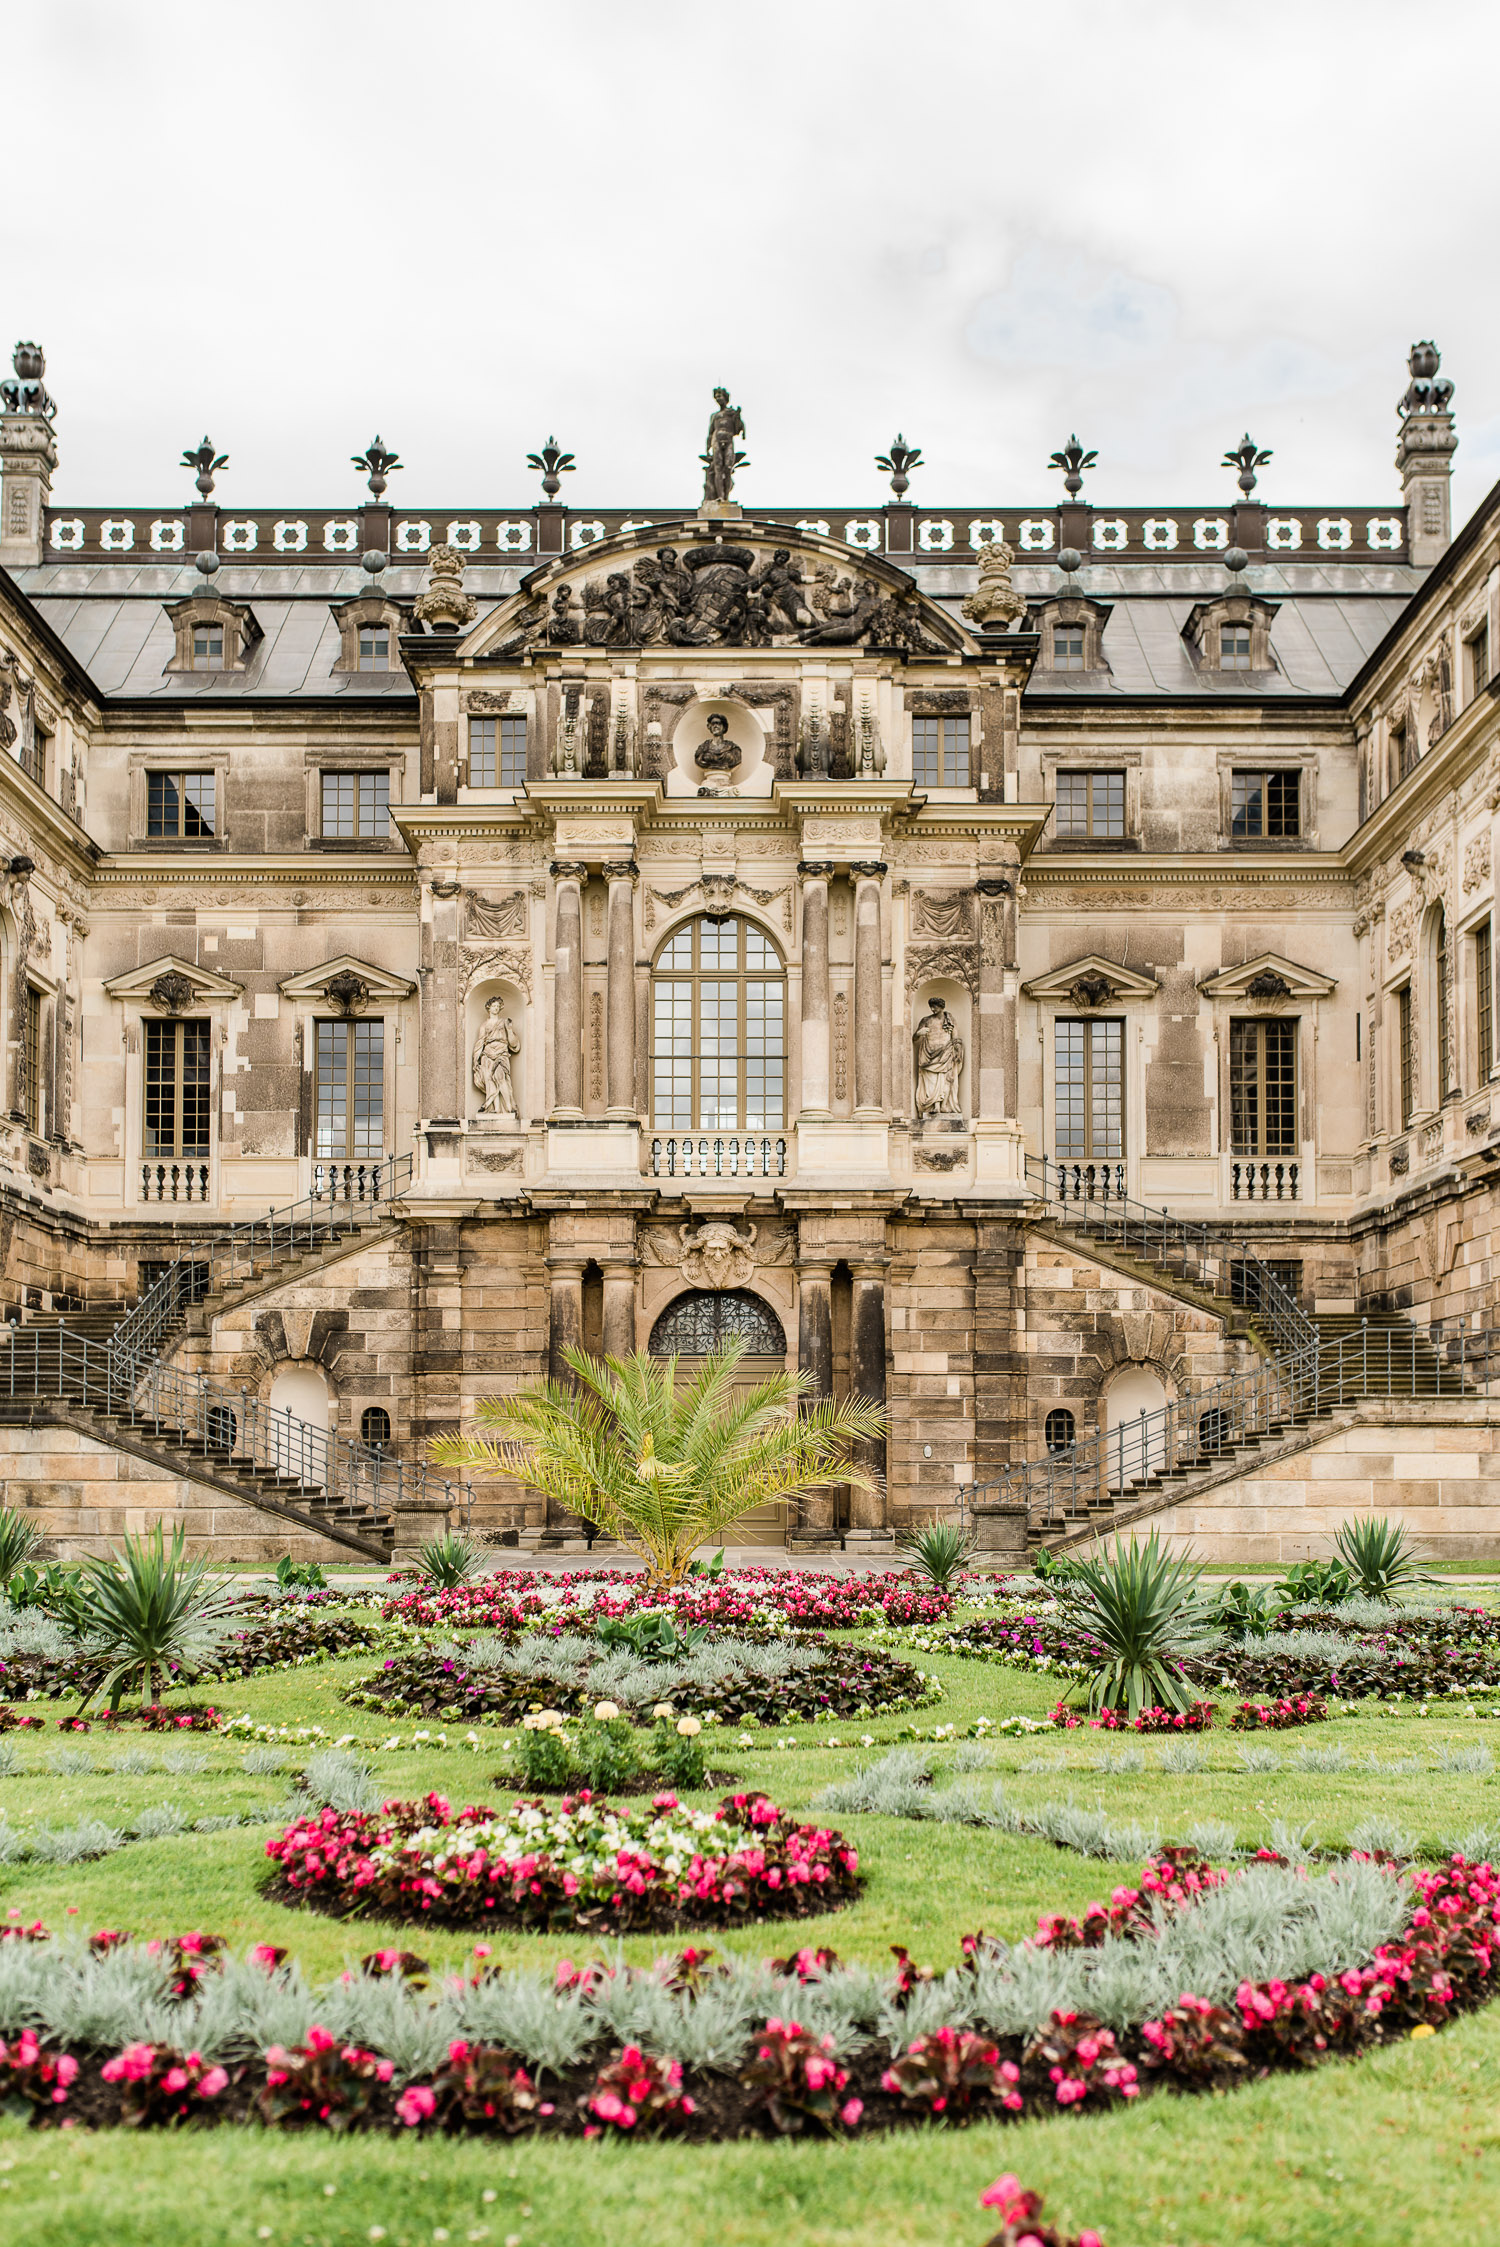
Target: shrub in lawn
x=132, y=1763
x=678, y=1749
x=322, y=2080
x=183, y=1763
x=1141, y=1609
x=798, y=2083
x=1259, y=1759
x=160, y=2085
x=938, y=1550
x=1182, y=1757
x=1476, y=1758
x=1213, y=1838
x=605, y=1750
x=1322, y=1759
x=71, y=1763
x=638, y=2092
x=32, y=2079
x=19, y=1538
x=335, y=1777
x=545, y=1752
x=1378, y=1557
x=1119, y=1760
x=262, y=1763
x=151, y=1611
x=1278, y=1716
x=450, y=1560
x=947, y=2070
x=1376, y=1836
x=159, y=1823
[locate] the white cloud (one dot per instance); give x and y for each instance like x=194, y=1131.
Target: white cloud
x=1064, y=311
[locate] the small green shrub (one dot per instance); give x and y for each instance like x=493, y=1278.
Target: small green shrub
x=606, y=1752
x=450, y=1560
x=545, y=1757
x=1378, y=1557
x=300, y=1575
x=19, y=1539
x=1315, y=1583
x=652, y=1636
x=1142, y=1607
x=679, y=1751
x=938, y=1550
x=1245, y=1611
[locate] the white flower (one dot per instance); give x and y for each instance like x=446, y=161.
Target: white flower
x=663, y=1709
x=688, y=1727
x=606, y=1712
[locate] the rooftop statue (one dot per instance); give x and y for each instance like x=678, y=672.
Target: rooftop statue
x=725, y=428
x=24, y=392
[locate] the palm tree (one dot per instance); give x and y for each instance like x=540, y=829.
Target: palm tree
x=662, y=1467
x=147, y=1610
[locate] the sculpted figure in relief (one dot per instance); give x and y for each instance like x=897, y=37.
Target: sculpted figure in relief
x=497, y=1041
x=940, y=1061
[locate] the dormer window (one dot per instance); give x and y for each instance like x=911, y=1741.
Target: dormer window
x=368, y=627
x=1232, y=633
x=211, y=634
x=1234, y=647
x=1071, y=631
x=1068, y=647
x=374, y=647
x=208, y=647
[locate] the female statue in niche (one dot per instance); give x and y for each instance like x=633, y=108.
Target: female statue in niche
x=940, y=1061
x=497, y=1041
x=717, y=757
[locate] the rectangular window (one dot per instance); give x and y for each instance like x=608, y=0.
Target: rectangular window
x=180, y=803
x=177, y=1073
x=1247, y=1280
x=1406, y=1032
x=1265, y=806
x=34, y=755
x=374, y=647
x=31, y=1060
x=1479, y=661
x=1090, y=1091
x=1091, y=806
x=357, y=804
x=1263, y=1087
x=351, y=1089
x=1234, y=647
x=208, y=647
x=940, y=752
x=497, y=752
x=1067, y=647
x=1404, y=751
x=719, y=1031
x=1484, y=1004
x=1443, y=963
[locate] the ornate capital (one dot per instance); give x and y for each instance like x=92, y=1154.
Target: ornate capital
x=569, y=870
x=869, y=869
x=620, y=870
x=815, y=869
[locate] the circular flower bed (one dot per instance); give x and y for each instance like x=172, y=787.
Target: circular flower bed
x=513, y=1601
x=279, y=1637
x=582, y=1864
x=735, y=1684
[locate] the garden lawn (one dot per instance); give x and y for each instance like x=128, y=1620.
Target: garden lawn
x=1401, y=2146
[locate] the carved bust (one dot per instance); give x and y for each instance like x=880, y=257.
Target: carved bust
x=716, y=756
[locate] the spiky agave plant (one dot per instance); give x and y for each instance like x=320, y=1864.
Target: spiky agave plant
x=1378, y=1555
x=450, y=1560
x=149, y=1610
x=938, y=1550
x=19, y=1539
x=1141, y=1607
x=666, y=1466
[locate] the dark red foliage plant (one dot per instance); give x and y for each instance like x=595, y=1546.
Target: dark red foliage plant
x=948, y=2070
x=479, y=2087
x=638, y=2093
x=32, y=2079
x=798, y=2083
x=160, y=2085
x=321, y=2080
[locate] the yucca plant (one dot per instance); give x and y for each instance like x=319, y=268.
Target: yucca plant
x=450, y=1560
x=938, y=1550
x=19, y=1539
x=667, y=1467
x=149, y=1610
x=1378, y=1557
x=1141, y=1607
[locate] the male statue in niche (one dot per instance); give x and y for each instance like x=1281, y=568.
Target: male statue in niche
x=940, y=1061
x=721, y=459
x=497, y=1041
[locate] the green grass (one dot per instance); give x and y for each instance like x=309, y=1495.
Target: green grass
x=1400, y=2147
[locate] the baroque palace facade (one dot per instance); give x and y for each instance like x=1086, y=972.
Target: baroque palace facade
x=696, y=922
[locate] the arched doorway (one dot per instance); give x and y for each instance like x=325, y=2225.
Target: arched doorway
x=299, y=1402
x=1135, y=1446
x=693, y=1325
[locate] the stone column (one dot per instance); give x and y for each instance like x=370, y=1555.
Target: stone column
x=620, y=1039
x=815, y=1358
x=28, y=456
x=869, y=1003
x=815, y=879
x=567, y=990
x=867, y=1508
x=565, y=1325
x=619, y=1309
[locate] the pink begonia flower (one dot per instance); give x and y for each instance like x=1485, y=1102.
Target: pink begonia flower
x=1003, y=2193
x=415, y=2104
x=215, y=2081
x=850, y=2112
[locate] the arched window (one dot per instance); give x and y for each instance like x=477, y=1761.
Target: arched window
x=698, y=1323
x=719, y=1029
x=375, y=1425
x=1215, y=1430
x=1062, y=1430
x=223, y=1427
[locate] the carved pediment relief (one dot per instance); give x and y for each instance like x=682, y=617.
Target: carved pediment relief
x=747, y=587
x=1090, y=983
x=1269, y=980
x=171, y=985
x=348, y=984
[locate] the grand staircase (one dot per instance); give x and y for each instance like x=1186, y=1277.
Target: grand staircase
x=106, y=1373
x=1314, y=1366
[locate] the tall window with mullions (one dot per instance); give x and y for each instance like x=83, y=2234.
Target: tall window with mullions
x=1263, y=1087
x=940, y=752
x=177, y=1086
x=351, y=1089
x=1090, y=1091
x=719, y=1030
x=497, y=752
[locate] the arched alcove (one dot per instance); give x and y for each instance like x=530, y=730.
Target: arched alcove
x=1134, y=1445
x=692, y=1325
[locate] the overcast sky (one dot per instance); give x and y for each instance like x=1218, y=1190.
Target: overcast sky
x=986, y=225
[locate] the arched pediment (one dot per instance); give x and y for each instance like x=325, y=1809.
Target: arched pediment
x=748, y=585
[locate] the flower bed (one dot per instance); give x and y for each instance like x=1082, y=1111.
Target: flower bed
x=724, y=1682
x=819, y=2052
x=1199, y=1718
x=581, y=1864
x=1277, y=1716
x=283, y=1638
x=513, y=1601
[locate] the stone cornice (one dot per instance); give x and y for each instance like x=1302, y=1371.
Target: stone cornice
x=1237, y=867
x=1460, y=752
x=280, y=868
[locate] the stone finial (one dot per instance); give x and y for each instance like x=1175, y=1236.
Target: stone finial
x=995, y=605
x=1424, y=454
x=553, y=464
x=444, y=606
x=899, y=462
x=207, y=462
x=379, y=463
x=1073, y=460
x=1246, y=456
x=24, y=392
